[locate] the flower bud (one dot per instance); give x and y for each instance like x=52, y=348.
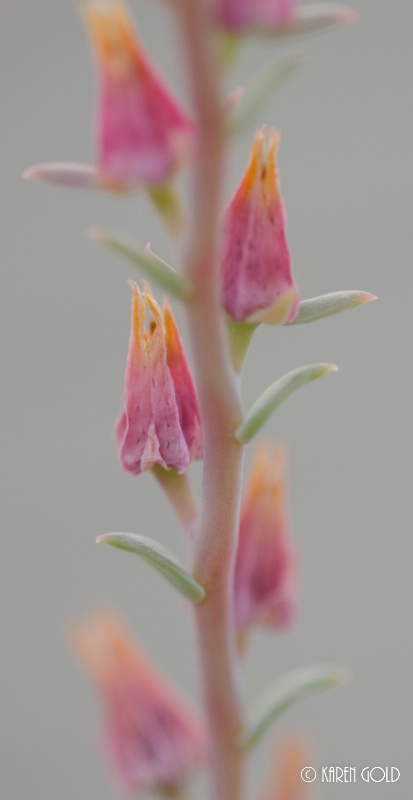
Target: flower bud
x=143, y=135
x=161, y=423
x=151, y=739
x=255, y=261
x=265, y=570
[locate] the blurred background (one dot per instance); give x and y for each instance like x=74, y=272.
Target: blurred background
x=346, y=172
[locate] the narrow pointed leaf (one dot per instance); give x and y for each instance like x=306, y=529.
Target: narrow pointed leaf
x=150, y=265
x=262, y=409
x=258, y=95
x=312, y=19
x=78, y=176
x=327, y=304
x=287, y=691
x=160, y=559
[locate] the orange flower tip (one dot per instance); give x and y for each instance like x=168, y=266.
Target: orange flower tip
x=110, y=29
x=262, y=166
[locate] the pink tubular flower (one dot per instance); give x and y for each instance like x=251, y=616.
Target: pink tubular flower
x=161, y=422
x=265, y=570
x=255, y=261
x=143, y=136
x=151, y=738
x=238, y=15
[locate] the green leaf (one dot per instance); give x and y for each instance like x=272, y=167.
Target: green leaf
x=258, y=95
x=327, y=304
x=275, y=395
x=152, y=266
x=160, y=559
x=311, y=19
x=287, y=691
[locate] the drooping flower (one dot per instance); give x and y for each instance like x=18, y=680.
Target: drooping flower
x=161, y=422
x=257, y=282
x=238, y=15
x=143, y=136
x=265, y=569
x=151, y=739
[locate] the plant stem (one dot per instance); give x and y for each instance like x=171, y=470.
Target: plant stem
x=179, y=492
x=216, y=539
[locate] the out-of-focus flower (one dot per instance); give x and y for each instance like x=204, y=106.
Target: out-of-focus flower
x=287, y=782
x=143, y=136
x=275, y=17
x=257, y=283
x=151, y=739
x=238, y=15
x=265, y=570
x=161, y=423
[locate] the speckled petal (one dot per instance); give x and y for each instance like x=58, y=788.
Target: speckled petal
x=160, y=423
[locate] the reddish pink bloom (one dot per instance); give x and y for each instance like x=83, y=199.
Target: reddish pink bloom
x=255, y=261
x=161, y=422
x=265, y=571
x=151, y=739
x=143, y=135
x=238, y=15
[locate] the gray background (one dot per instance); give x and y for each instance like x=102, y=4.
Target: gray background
x=345, y=158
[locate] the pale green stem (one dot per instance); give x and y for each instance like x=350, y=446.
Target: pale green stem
x=215, y=543
x=240, y=335
x=180, y=494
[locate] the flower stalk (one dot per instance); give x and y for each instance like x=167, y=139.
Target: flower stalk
x=215, y=542
x=236, y=275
